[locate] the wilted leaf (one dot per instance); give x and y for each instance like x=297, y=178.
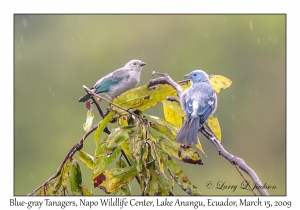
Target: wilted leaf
x=125, y=189
x=155, y=185
x=219, y=81
x=89, y=121
x=75, y=178
x=178, y=175
x=85, y=190
x=110, y=180
x=86, y=159
x=140, y=154
x=213, y=124
x=50, y=189
x=184, y=153
x=63, y=176
x=102, y=125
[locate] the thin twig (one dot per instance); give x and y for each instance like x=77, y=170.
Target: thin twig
x=102, y=114
x=248, y=184
x=111, y=103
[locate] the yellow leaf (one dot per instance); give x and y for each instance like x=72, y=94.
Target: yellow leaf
x=213, y=124
x=123, y=121
x=171, y=116
x=142, y=98
x=219, y=81
x=199, y=146
x=126, y=148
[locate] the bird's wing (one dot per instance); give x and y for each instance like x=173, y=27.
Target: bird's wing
x=110, y=80
x=202, y=103
x=207, y=108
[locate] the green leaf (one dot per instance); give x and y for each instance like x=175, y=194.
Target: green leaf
x=123, y=191
x=102, y=125
x=102, y=159
x=89, y=121
x=175, y=129
x=121, y=163
x=178, y=175
x=184, y=153
x=75, y=178
x=116, y=139
x=110, y=180
x=86, y=159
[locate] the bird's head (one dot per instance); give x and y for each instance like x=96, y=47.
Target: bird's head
x=135, y=65
x=197, y=76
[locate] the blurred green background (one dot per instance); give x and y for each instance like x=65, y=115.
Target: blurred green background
x=54, y=55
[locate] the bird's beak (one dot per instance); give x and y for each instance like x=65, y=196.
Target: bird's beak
x=187, y=76
x=142, y=64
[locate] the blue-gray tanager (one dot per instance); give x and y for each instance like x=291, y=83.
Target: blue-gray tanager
x=199, y=102
x=119, y=81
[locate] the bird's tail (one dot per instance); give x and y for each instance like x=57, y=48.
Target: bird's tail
x=84, y=98
x=189, y=131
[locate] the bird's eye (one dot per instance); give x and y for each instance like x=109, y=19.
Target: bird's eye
x=134, y=63
x=195, y=74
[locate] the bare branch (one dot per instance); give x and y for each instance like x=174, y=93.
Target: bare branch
x=165, y=80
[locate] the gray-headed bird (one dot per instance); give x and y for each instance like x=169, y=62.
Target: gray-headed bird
x=199, y=102
x=119, y=81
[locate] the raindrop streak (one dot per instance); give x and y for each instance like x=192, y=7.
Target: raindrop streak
x=233, y=118
x=49, y=89
x=251, y=26
x=250, y=92
x=233, y=97
x=257, y=39
x=24, y=22
x=21, y=39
